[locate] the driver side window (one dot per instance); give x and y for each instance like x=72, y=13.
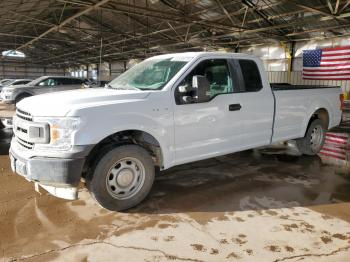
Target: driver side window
x=217, y=73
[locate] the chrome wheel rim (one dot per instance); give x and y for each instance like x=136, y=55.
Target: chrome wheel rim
x=125, y=178
x=317, y=136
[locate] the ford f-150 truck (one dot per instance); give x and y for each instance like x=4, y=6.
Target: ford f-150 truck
x=166, y=111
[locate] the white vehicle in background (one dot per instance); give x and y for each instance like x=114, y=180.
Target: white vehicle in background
x=45, y=84
x=166, y=111
x=15, y=82
x=5, y=82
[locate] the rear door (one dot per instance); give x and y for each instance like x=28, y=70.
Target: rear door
x=71, y=83
x=63, y=84
x=257, y=103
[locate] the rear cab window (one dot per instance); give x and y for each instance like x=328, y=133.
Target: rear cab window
x=251, y=78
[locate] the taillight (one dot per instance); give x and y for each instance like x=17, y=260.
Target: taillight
x=341, y=97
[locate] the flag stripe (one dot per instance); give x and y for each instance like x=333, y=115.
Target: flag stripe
x=334, y=150
x=343, y=58
x=327, y=54
x=337, y=135
x=334, y=141
x=333, y=65
x=341, y=157
x=325, y=75
x=326, y=78
x=336, y=48
x=334, y=62
x=321, y=73
x=322, y=69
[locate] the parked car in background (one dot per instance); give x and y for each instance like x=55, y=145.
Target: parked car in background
x=45, y=84
x=15, y=82
x=166, y=111
x=4, y=82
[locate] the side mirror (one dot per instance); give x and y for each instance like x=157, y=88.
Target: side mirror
x=202, y=88
x=199, y=92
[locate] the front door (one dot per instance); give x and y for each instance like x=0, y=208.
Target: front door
x=47, y=85
x=207, y=129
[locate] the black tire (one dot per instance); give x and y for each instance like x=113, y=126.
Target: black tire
x=98, y=181
x=308, y=145
x=21, y=97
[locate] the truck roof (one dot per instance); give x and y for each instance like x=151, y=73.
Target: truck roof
x=191, y=55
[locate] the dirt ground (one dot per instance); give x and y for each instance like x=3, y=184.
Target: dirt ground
x=6, y=110
x=240, y=207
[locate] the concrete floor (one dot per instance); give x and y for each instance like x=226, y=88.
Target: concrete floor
x=234, y=208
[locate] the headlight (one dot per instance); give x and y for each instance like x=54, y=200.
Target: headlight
x=61, y=132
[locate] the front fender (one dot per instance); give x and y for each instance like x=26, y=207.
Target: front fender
x=159, y=124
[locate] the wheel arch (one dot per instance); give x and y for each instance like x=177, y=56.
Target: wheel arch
x=26, y=94
x=321, y=114
x=131, y=136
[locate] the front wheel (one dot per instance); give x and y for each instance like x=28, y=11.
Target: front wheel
x=122, y=177
x=314, y=138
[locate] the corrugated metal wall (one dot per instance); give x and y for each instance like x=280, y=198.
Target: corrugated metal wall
x=19, y=69
x=296, y=79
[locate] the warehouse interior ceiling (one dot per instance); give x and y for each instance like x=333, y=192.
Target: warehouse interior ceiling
x=72, y=32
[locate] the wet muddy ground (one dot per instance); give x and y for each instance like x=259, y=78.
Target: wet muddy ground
x=239, y=207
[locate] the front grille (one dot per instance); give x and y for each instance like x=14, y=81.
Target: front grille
x=24, y=115
x=27, y=132
x=21, y=132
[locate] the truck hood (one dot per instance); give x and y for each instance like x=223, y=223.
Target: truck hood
x=60, y=103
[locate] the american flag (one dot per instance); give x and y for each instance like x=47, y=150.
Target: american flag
x=327, y=63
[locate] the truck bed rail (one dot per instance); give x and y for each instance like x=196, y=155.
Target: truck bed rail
x=286, y=86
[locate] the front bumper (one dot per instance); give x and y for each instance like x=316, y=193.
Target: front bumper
x=58, y=173
x=61, y=172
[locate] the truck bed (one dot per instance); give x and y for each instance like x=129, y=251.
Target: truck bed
x=295, y=104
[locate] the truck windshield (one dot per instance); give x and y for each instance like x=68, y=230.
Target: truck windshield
x=152, y=74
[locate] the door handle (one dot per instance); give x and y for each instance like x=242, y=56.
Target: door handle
x=234, y=107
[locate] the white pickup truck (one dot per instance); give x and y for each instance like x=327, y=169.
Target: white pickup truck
x=166, y=111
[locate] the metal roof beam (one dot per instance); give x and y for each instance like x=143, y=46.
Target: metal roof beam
x=66, y=21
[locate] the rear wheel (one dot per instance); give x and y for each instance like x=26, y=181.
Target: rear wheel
x=314, y=138
x=122, y=177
